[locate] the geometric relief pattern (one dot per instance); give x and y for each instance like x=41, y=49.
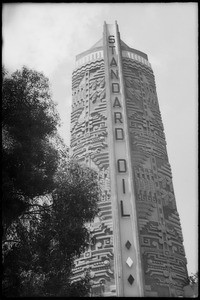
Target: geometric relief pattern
x=89, y=145
x=161, y=241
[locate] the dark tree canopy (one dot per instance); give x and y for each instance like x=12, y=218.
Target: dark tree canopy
x=29, y=119
x=193, y=278
x=42, y=256
x=47, y=199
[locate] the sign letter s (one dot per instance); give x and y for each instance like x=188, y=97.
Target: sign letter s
x=111, y=39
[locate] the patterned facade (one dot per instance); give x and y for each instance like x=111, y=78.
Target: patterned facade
x=142, y=233
x=89, y=145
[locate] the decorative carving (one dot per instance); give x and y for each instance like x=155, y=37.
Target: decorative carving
x=128, y=245
x=161, y=242
x=163, y=257
x=89, y=145
x=129, y=262
x=130, y=279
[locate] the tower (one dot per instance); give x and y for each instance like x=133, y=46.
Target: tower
x=116, y=128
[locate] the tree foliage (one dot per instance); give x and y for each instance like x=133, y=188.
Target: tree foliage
x=29, y=119
x=47, y=199
x=193, y=278
x=47, y=242
x=191, y=289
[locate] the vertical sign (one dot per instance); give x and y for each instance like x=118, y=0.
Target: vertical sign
x=118, y=124
x=126, y=264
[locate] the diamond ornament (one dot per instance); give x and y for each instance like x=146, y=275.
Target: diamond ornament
x=129, y=262
x=130, y=279
x=128, y=245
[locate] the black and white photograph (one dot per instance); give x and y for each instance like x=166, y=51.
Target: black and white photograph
x=100, y=149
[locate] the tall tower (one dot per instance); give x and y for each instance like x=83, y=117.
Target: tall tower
x=116, y=128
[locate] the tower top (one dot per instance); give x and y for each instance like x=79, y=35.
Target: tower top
x=99, y=46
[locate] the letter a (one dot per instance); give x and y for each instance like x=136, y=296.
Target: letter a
x=113, y=62
x=116, y=103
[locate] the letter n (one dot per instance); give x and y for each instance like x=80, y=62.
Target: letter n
x=113, y=74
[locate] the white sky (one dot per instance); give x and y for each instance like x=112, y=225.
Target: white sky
x=46, y=37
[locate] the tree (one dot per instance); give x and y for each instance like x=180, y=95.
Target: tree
x=46, y=199
x=43, y=258
x=193, y=278
x=191, y=289
x=29, y=120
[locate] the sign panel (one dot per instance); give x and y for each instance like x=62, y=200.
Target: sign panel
x=126, y=264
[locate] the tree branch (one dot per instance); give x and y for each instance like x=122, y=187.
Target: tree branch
x=9, y=241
